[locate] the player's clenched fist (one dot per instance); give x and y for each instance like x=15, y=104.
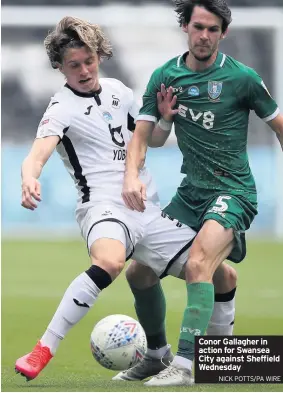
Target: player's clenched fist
x=30, y=192
x=134, y=193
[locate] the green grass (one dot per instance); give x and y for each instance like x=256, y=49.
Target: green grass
x=35, y=275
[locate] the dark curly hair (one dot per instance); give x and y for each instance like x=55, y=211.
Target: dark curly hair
x=73, y=32
x=185, y=8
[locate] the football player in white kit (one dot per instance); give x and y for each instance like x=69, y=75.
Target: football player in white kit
x=89, y=122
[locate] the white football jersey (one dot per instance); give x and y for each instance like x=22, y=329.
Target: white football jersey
x=94, y=130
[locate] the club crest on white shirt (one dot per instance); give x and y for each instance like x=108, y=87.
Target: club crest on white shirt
x=115, y=102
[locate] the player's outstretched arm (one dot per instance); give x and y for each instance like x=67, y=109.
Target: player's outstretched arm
x=31, y=169
x=277, y=126
x=134, y=191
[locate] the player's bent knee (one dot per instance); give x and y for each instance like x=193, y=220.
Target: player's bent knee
x=197, y=270
x=109, y=254
x=132, y=273
x=224, y=278
x=231, y=276
x=140, y=276
x=199, y=267
x=111, y=266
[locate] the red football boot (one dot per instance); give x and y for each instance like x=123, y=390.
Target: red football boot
x=31, y=364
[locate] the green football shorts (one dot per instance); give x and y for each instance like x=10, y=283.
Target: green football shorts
x=231, y=211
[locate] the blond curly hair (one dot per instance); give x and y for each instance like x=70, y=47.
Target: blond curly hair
x=73, y=32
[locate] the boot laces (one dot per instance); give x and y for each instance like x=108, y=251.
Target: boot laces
x=38, y=356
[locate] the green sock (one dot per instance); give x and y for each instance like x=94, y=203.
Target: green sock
x=196, y=317
x=150, y=307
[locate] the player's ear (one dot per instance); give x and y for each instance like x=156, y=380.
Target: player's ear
x=224, y=34
x=185, y=28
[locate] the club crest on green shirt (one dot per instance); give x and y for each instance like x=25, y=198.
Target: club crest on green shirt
x=214, y=89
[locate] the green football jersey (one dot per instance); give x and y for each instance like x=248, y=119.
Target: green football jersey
x=212, y=124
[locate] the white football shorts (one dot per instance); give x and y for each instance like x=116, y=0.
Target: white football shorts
x=151, y=238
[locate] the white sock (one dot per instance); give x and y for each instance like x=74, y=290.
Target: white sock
x=222, y=319
x=50, y=340
x=182, y=362
x=158, y=353
x=79, y=297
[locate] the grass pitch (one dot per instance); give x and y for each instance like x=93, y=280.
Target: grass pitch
x=35, y=275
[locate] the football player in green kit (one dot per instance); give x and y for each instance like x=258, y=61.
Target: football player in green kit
x=208, y=96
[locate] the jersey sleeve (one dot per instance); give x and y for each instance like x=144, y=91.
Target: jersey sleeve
x=55, y=121
x=132, y=113
x=259, y=98
x=149, y=109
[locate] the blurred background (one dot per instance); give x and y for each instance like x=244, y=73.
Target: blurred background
x=144, y=35
x=42, y=251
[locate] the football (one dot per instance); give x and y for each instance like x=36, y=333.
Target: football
x=118, y=342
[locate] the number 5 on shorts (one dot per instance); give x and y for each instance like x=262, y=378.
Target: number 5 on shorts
x=220, y=205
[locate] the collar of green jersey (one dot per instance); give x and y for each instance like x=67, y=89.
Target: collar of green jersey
x=216, y=64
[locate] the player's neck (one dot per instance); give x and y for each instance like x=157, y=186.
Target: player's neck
x=195, y=65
